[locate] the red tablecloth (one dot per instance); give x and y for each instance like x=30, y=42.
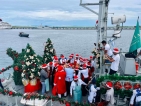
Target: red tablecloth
x=30, y=88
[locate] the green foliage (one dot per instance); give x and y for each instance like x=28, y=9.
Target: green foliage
x=49, y=52
x=32, y=63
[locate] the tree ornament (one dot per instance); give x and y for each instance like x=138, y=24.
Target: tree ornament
x=3, y=69
x=28, y=50
x=10, y=93
x=136, y=86
x=127, y=85
x=16, y=68
x=117, y=85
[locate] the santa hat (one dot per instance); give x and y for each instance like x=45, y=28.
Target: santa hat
x=116, y=50
x=55, y=58
x=70, y=65
x=88, y=64
x=84, y=66
x=50, y=63
x=91, y=57
x=75, y=77
x=56, y=65
x=62, y=56
x=109, y=84
x=44, y=66
x=77, y=55
x=60, y=68
x=72, y=54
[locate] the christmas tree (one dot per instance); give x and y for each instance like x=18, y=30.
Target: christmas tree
x=18, y=62
x=32, y=64
x=49, y=52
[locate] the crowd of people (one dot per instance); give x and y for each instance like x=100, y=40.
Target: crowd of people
x=74, y=76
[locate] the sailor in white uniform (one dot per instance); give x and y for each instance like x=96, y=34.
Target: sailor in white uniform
x=137, y=94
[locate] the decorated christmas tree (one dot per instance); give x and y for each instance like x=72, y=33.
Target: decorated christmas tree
x=32, y=64
x=18, y=62
x=49, y=51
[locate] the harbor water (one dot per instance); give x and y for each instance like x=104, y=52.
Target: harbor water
x=65, y=42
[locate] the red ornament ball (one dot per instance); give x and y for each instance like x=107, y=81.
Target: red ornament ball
x=127, y=85
x=68, y=104
x=3, y=69
x=11, y=93
x=117, y=85
x=136, y=86
x=16, y=68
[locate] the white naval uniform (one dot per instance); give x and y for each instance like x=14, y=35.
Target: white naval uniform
x=92, y=94
x=138, y=98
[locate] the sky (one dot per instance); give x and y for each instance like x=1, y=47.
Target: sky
x=64, y=12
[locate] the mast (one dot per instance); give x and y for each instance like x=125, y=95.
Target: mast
x=102, y=25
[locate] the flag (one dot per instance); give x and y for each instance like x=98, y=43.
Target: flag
x=136, y=42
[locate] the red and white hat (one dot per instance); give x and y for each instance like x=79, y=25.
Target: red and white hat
x=44, y=65
x=55, y=58
x=109, y=84
x=50, y=63
x=72, y=54
x=84, y=66
x=116, y=50
x=77, y=55
x=91, y=57
x=56, y=65
x=62, y=56
x=75, y=77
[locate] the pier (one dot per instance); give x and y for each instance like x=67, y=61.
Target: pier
x=70, y=28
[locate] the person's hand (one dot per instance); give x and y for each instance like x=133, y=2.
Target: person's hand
x=70, y=95
x=131, y=105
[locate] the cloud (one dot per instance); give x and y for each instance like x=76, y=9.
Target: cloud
x=64, y=10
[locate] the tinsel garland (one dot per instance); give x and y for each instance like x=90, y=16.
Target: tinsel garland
x=5, y=69
x=33, y=96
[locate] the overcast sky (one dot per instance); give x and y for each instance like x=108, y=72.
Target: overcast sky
x=63, y=12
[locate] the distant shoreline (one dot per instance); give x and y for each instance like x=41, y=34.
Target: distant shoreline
x=69, y=28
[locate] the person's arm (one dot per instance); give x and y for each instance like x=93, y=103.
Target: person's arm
x=82, y=82
x=110, y=59
x=71, y=88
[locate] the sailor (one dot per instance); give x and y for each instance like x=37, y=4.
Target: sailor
x=109, y=96
x=115, y=61
x=137, y=94
x=63, y=59
x=69, y=77
x=59, y=81
x=84, y=72
x=92, y=92
x=75, y=89
x=107, y=50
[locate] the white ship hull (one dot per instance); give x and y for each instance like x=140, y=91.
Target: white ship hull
x=5, y=25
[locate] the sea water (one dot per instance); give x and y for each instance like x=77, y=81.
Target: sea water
x=64, y=41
